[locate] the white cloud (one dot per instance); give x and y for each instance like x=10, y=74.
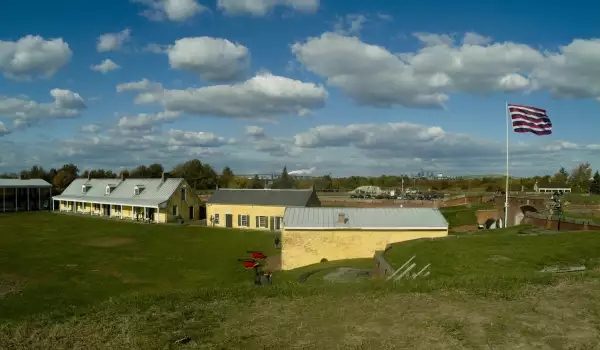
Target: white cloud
x=471, y=38
x=144, y=122
x=3, y=129
x=172, y=10
x=90, y=128
x=67, y=104
x=214, y=59
x=350, y=24
x=264, y=96
x=113, y=41
x=303, y=171
x=573, y=72
x=255, y=131
x=106, y=66
x=142, y=85
x=262, y=7
x=33, y=56
x=375, y=76
x=157, y=48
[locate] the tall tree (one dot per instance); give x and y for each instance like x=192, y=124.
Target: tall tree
x=141, y=171
x=155, y=170
x=198, y=175
x=256, y=183
x=226, y=178
x=285, y=181
x=561, y=176
x=595, y=185
x=580, y=176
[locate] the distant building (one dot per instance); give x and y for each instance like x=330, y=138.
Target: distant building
x=551, y=187
x=312, y=234
x=25, y=195
x=255, y=208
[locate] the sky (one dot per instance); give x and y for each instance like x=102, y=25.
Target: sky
x=323, y=87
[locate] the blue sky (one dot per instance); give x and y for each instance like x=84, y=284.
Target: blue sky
x=341, y=87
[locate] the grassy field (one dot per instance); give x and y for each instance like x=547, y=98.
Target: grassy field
x=576, y=198
x=498, y=260
x=73, y=282
x=463, y=215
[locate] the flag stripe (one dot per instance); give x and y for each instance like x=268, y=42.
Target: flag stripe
x=531, y=125
x=526, y=112
x=531, y=119
x=537, y=132
x=533, y=109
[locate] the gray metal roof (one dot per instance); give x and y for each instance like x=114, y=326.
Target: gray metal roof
x=17, y=183
x=154, y=193
x=364, y=218
x=272, y=197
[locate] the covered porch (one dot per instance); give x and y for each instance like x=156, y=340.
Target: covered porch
x=121, y=211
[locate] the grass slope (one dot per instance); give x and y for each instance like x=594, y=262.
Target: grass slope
x=62, y=263
x=500, y=260
x=70, y=282
x=462, y=215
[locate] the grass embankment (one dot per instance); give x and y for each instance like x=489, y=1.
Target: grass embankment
x=71, y=282
x=59, y=263
x=463, y=215
x=498, y=261
x=577, y=198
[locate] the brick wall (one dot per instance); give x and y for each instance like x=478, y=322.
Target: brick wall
x=565, y=224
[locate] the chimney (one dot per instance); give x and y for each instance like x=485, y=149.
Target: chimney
x=164, y=176
x=123, y=177
x=89, y=176
x=341, y=218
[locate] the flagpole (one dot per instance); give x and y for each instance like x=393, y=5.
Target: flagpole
x=507, y=187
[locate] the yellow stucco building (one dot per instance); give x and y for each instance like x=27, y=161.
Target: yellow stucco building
x=312, y=234
x=260, y=209
x=154, y=200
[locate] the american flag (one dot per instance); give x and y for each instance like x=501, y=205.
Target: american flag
x=530, y=119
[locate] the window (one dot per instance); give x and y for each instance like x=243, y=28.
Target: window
x=243, y=221
x=216, y=219
x=278, y=223
x=175, y=212
x=136, y=191
x=262, y=222
x=183, y=194
x=107, y=189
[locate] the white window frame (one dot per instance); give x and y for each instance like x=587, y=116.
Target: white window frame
x=136, y=191
x=84, y=188
x=216, y=218
x=266, y=223
x=242, y=217
x=278, y=222
x=107, y=190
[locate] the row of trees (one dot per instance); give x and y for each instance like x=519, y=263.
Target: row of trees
x=204, y=177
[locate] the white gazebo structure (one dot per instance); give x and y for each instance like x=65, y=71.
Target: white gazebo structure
x=25, y=195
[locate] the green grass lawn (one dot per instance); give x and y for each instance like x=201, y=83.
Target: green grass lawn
x=76, y=282
x=62, y=263
x=576, y=198
x=497, y=260
x=463, y=215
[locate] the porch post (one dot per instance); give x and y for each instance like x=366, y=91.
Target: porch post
x=27, y=198
x=39, y=198
x=144, y=213
x=157, y=215
x=132, y=212
x=121, y=212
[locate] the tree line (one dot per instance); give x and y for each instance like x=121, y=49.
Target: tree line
x=203, y=177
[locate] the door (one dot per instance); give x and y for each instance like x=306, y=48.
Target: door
x=191, y=209
x=228, y=220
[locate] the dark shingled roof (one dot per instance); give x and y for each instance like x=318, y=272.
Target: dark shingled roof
x=553, y=185
x=286, y=198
